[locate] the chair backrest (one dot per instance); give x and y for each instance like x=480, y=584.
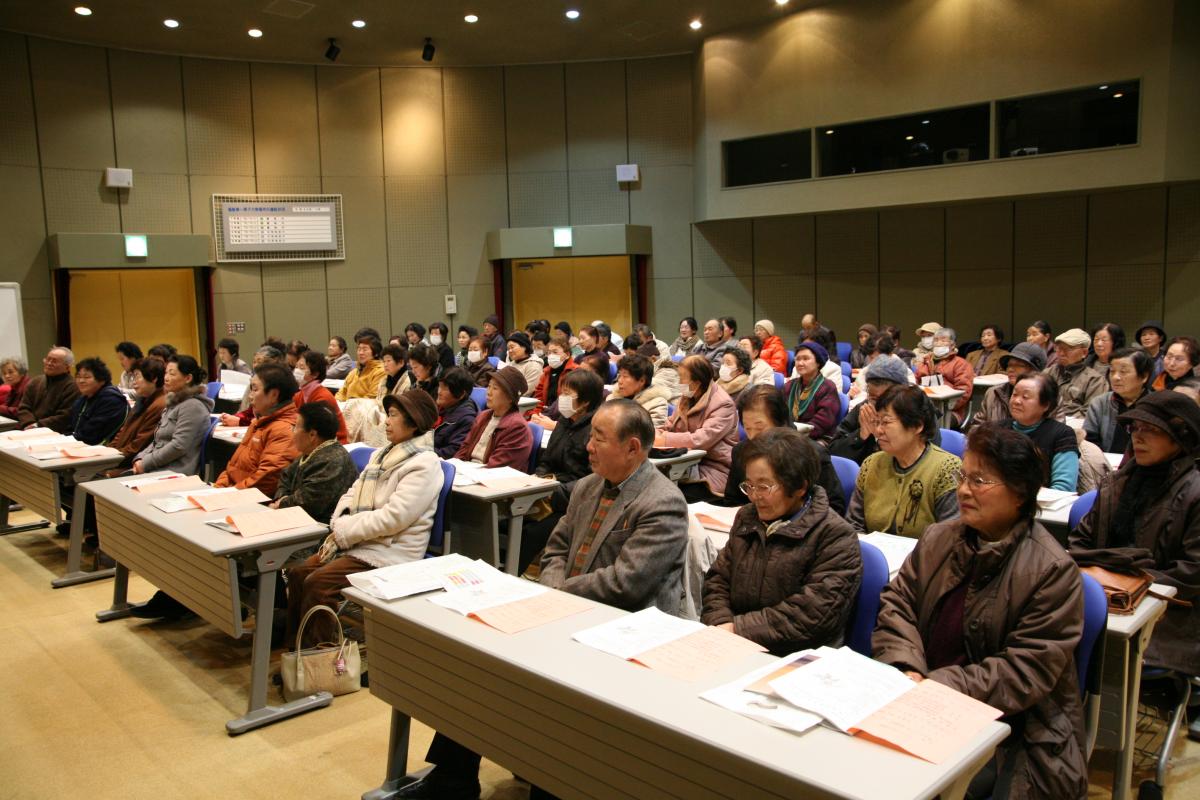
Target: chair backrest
x=213, y=422
x=1095, y=620
x=612, y=371
x=847, y=472
x=953, y=442
x=1080, y=509
x=741, y=432
x=495, y=362
x=843, y=351
x=437, y=535
x=866, y=603
x=361, y=456
x=844, y=408
x=670, y=410
x=791, y=357
x=479, y=397
x=845, y=384
x=537, y=431
x=214, y=389
x=846, y=367
x=678, y=357
x=779, y=380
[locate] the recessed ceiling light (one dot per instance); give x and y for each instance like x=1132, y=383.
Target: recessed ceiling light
x=695, y=24
x=472, y=18
x=1105, y=86
x=359, y=23
x=1119, y=94
x=83, y=11
x=828, y=132
x=924, y=122
x=573, y=14
x=171, y=23
x=781, y=2
x=254, y=33
x=908, y=138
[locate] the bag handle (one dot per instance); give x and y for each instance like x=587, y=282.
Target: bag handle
x=300, y=633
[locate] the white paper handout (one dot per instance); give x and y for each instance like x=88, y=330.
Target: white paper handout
x=501, y=589
x=842, y=686
x=774, y=711
x=171, y=504
x=133, y=483
x=1055, y=499
x=414, y=577
x=714, y=518
x=894, y=548
x=626, y=637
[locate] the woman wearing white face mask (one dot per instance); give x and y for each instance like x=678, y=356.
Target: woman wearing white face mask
x=954, y=370
x=438, y=334
x=705, y=419
x=924, y=347
x=734, y=374
x=478, y=366
x=558, y=365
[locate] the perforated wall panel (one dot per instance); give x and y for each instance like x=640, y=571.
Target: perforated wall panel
x=597, y=198
x=1127, y=227
x=23, y=231
x=74, y=113
x=596, y=133
x=783, y=299
x=1050, y=232
x=298, y=315
x=979, y=236
x=18, y=138
x=784, y=245
x=538, y=198
x=1125, y=295
x=1183, y=223
x=474, y=120
x=976, y=298
x=349, y=118
x=535, y=118
x=664, y=202
x=285, y=119
x=723, y=248
x=1033, y=287
x=77, y=202
x=220, y=133
x=418, y=252
x=908, y=299
x=413, y=135
x=156, y=204
x=846, y=300
x=351, y=309
x=148, y=119
x=288, y=184
x=1182, y=297
x=283, y=277
x=912, y=239
x=660, y=110
x=476, y=204
x=366, y=234
x=847, y=243
x=717, y=297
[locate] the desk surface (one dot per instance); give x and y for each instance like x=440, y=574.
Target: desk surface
x=60, y=464
x=689, y=456
x=7, y=424
x=988, y=381
x=485, y=493
x=231, y=435
x=633, y=704
x=1126, y=626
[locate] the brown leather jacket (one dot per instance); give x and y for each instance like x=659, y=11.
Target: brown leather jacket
x=790, y=590
x=1167, y=546
x=1022, y=620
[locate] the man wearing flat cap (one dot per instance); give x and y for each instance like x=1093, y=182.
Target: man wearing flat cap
x=1077, y=382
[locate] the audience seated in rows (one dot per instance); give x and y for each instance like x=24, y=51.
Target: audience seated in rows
x=143, y=419
x=881, y=348
x=228, y=351
x=831, y=368
x=477, y=365
x=713, y=344
x=1107, y=338
x=925, y=343
x=1032, y=405
x=687, y=340
x=813, y=398
x=986, y=360
x=771, y=348
x=1179, y=364
x=425, y=370
x=860, y=353
x=457, y=412
x=266, y=447
x=1041, y=334
x=368, y=373
x=48, y=398
x=734, y=373
x=944, y=364
x=520, y=357
x=464, y=336
x=705, y=419
x=1152, y=339
x=855, y=435
x=1078, y=384
x=184, y=423
x=339, y=361
x=558, y=364
x=761, y=373
x=495, y=345
x=500, y=436
x=100, y=409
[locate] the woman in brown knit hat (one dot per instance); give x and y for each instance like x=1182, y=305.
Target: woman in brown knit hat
x=500, y=436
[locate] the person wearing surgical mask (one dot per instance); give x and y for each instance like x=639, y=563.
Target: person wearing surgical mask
x=734, y=374
x=558, y=365
x=705, y=419
x=924, y=347
x=944, y=365
x=478, y=366
x=438, y=335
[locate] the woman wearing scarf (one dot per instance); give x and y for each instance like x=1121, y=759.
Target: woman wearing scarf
x=811, y=397
x=383, y=519
x=313, y=365
x=705, y=419
x=687, y=338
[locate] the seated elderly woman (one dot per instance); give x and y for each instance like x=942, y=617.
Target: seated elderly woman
x=855, y=435
x=909, y=484
x=787, y=577
x=477, y=365
x=1153, y=339
x=1032, y=409
x=1107, y=338
x=1179, y=364
x=990, y=605
x=558, y=364
x=465, y=334
x=859, y=354
x=831, y=368
x=127, y=354
x=183, y=426
x=457, y=412
x=146, y=413
x=101, y=408
x=520, y=356
x=425, y=369
x=397, y=378
x=589, y=343
x=323, y=471
x=944, y=362
x=705, y=419
x=365, y=379
x=383, y=519
x=15, y=374
x=986, y=360
x=1040, y=333
x=635, y=376
x=1024, y=359
x=761, y=373
x=439, y=333
x=500, y=437
x=1147, y=516
x=1129, y=374
x=813, y=398
x=312, y=366
x=734, y=373
x=773, y=351
x=688, y=337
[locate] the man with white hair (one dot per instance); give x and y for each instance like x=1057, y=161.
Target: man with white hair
x=49, y=397
x=944, y=361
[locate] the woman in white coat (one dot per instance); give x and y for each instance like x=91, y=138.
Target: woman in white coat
x=385, y=518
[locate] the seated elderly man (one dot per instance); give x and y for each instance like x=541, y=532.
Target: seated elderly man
x=642, y=567
x=713, y=344
x=49, y=397
x=944, y=361
x=1078, y=384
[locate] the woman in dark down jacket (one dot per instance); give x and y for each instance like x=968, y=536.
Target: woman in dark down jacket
x=457, y=411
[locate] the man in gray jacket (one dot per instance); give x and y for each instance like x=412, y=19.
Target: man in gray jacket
x=712, y=345
x=621, y=542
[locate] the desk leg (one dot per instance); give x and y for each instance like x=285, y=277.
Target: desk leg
x=120, y=605
x=7, y=505
x=397, y=776
x=259, y=713
x=1123, y=773
x=74, y=575
x=512, y=554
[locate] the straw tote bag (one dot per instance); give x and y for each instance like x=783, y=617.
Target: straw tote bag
x=325, y=668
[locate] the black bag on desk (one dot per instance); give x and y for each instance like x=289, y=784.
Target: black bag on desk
x=667, y=452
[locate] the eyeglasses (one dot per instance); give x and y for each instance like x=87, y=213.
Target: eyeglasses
x=976, y=481
x=1144, y=429
x=1173, y=357
x=749, y=488
x=881, y=422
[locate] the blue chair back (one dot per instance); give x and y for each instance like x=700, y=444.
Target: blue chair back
x=437, y=534
x=847, y=472
x=537, y=431
x=361, y=456
x=1095, y=620
x=791, y=357
x=845, y=385
x=495, y=362
x=843, y=351
x=612, y=371
x=779, y=380
x=214, y=389
x=670, y=410
x=741, y=433
x=866, y=602
x=213, y=422
x=677, y=357
x=844, y=409
x=479, y=397
x=1080, y=509
x=846, y=367
x=953, y=442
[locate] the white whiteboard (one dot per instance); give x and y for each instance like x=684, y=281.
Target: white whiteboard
x=12, y=322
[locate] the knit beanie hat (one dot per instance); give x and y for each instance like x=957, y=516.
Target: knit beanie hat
x=888, y=369
x=1029, y=353
x=512, y=381
x=869, y=328
x=819, y=352
x=766, y=325
x=522, y=339
x=493, y=320
x=417, y=405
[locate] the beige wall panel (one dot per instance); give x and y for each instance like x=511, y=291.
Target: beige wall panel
x=1032, y=290
x=1127, y=227
x=351, y=309
x=244, y=307
x=660, y=110
x=722, y=249
x=157, y=204
x=18, y=131
x=1050, y=232
x=220, y=130
x=670, y=300
x=350, y=122
x=845, y=300
x=365, y=230
x=78, y=202
x=1183, y=223
x=979, y=236
x=298, y=276
x=23, y=231
x=474, y=120
x=298, y=315
x=1126, y=296
x=237, y=278
x=476, y=204
x=418, y=252
x=1183, y=297
x=284, y=101
x=414, y=141
x=663, y=200
x=596, y=133
x=535, y=118
x=718, y=297
x=906, y=300
x=423, y=304
x=783, y=299
x=147, y=97
x=202, y=188
x=847, y=242
x=912, y=239
x=977, y=298
x=287, y=184
x=597, y=199
x=784, y=245
x=536, y=199
x=39, y=326
x=475, y=301
x=74, y=114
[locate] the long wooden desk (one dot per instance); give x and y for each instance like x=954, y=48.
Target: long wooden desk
x=7, y=423
x=475, y=513
x=584, y=724
x=199, y=565
x=35, y=484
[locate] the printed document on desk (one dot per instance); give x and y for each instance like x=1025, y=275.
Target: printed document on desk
x=150, y=487
x=894, y=548
x=774, y=710
x=843, y=686
x=713, y=518
x=932, y=721
x=643, y=630
x=415, y=577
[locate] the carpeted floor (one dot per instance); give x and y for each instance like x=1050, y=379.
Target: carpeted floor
x=133, y=709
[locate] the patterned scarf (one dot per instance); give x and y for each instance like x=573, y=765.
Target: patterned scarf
x=382, y=464
x=802, y=398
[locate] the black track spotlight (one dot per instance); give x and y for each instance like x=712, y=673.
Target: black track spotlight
x=427, y=50
x=333, y=51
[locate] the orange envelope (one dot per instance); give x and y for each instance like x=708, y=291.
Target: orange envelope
x=223, y=500
x=531, y=612
x=171, y=485
x=274, y=520
x=713, y=522
x=88, y=451
x=695, y=656
x=932, y=722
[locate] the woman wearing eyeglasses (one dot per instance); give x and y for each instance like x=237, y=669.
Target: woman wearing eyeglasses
x=792, y=566
x=909, y=484
x=991, y=605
